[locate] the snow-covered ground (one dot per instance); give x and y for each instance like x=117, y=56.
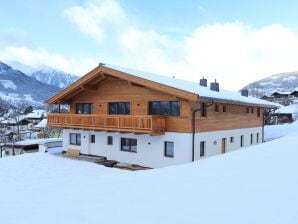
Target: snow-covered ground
x=277, y=131
x=257, y=184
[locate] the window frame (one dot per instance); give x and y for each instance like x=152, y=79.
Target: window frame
x=164, y=108
x=118, y=107
x=202, y=148
x=92, y=139
x=131, y=147
x=166, y=148
x=203, y=110
x=216, y=108
x=109, y=140
x=84, y=110
x=251, y=138
x=241, y=140
x=77, y=139
x=257, y=138
x=232, y=139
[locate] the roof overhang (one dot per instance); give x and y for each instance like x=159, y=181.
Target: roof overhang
x=102, y=72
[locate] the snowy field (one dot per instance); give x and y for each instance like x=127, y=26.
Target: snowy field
x=258, y=184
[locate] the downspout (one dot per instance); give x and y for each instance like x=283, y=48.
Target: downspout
x=194, y=126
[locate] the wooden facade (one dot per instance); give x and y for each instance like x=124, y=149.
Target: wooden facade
x=103, y=86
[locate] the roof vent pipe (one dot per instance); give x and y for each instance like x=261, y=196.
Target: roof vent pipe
x=203, y=82
x=101, y=64
x=244, y=92
x=214, y=86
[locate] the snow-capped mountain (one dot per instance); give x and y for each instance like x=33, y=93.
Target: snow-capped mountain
x=19, y=89
x=285, y=82
x=46, y=74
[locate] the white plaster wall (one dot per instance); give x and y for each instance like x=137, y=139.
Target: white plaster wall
x=213, y=140
x=150, y=149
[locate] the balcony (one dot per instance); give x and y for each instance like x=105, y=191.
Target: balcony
x=153, y=125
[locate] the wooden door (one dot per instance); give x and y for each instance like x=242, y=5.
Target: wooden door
x=223, y=145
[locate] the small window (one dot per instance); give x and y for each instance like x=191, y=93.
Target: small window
x=224, y=108
x=129, y=144
x=203, y=110
x=216, y=108
x=247, y=109
x=252, y=110
x=74, y=139
x=202, y=148
x=231, y=139
x=251, y=139
x=110, y=140
x=241, y=140
x=169, y=149
x=258, y=137
x=92, y=138
x=259, y=112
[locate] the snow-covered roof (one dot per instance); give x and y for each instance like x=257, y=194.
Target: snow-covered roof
x=36, y=114
x=290, y=109
x=42, y=124
x=194, y=87
x=282, y=93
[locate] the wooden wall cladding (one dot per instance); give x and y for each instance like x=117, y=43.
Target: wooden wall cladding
x=117, y=90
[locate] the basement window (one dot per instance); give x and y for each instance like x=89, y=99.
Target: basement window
x=74, y=139
x=241, y=140
x=92, y=138
x=202, y=148
x=251, y=139
x=258, y=137
x=110, y=140
x=231, y=139
x=169, y=149
x=129, y=144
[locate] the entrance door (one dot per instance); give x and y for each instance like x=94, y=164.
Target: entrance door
x=223, y=145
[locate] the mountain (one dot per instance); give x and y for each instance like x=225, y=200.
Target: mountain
x=46, y=74
x=19, y=89
x=285, y=82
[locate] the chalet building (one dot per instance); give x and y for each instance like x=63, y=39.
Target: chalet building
x=151, y=120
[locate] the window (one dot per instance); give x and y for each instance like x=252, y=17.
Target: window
x=247, y=109
x=251, y=139
x=168, y=108
x=74, y=139
x=252, y=110
x=119, y=108
x=110, y=140
x=92, y=138
x=216, y=108
x=204, y=110
x=258, y=137
x=129, y=144
x=202, y=148
x=169, y=149
x=224, y=108
x=84, y=108
x=259, y=112
x=241, y=140
x=231, y=139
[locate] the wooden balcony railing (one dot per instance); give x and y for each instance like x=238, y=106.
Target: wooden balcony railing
x=154, y=125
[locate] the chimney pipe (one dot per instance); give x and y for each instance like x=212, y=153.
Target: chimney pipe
x=244, y=92
x=214, y=86
x=203, y=82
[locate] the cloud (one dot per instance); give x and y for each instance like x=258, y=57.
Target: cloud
x=40, y=57
x=95, y=16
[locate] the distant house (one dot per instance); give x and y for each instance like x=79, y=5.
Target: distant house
x=151, y=120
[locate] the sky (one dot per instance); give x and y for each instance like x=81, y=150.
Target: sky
x=234, y=42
